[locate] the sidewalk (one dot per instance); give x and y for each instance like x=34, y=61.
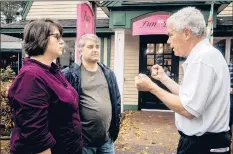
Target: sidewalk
x=144, y=132
x=147, y=132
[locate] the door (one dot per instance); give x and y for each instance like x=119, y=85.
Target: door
x=155, y=50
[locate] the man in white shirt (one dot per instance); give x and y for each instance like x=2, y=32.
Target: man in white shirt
x=201, y=102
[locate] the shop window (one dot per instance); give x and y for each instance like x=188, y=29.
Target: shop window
x=220, y=45
x=12, y=59
x=160, y=54
x=150, y=49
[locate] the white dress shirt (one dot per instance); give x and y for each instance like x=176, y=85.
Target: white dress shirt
x=204, y=91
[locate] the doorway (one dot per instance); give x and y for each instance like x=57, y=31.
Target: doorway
x=155, y=50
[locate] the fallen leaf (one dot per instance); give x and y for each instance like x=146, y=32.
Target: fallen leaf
x=153, y=142
x=169, y=148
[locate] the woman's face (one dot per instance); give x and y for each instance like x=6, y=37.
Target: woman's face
x=55, y=44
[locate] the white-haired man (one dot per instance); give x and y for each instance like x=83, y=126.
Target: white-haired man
x=201, y=103
x=100, y=102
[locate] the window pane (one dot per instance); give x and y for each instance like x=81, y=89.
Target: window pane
x=167, y=48
x=159, y=59
x=150, y=49
x=159, y=48
x=167, y=61
x=150, y=59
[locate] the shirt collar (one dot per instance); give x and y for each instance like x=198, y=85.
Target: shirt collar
x=196, y=49
x=53, y=68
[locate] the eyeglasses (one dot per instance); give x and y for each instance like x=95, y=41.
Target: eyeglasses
x=57, y=36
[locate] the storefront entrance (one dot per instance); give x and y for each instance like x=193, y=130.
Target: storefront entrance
x=12, y=59
x=155, y=50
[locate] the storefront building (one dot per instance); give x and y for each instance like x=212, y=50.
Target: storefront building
x=133, y=38
x=65, y=12
x=140, y=41
x=11, y=53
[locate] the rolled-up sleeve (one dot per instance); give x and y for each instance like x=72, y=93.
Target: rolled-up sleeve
x=196, y=87
x=30, y=104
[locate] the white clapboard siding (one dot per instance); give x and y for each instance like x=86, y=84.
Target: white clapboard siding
x=227, y=11
x=105, y=51
x=112, y=51
x=57, y=10
x=131, y=68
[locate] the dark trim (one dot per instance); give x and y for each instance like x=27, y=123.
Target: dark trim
x=140, y=71
x=222, y=7
x=120, y=4
x=10, y=50
x=109, y=51
x=105, y=9
x=108, y=3
x=68, y=32
x=11, y=30
x=225, y=31
x=130, y=107
x=102, y=50
x=149, y=15
x=26, y=10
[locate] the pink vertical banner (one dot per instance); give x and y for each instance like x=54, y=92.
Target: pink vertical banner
x=85, y=23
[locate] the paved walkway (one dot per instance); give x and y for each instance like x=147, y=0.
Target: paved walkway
x=147, y=132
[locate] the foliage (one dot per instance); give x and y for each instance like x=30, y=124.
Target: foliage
x=6, y=76
x=10, y=8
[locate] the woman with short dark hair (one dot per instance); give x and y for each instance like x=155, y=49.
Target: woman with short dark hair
x=44, y=104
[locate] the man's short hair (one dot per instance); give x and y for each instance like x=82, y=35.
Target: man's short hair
x=82, y=41
x=188, y=18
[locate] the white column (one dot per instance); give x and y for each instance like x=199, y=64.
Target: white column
x=119, y=61
x=228, y=50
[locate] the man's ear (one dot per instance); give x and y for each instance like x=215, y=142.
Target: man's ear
x=187, y=34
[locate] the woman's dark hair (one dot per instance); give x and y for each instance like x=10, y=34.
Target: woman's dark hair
x=36, y=35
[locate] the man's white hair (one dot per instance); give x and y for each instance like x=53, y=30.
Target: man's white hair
x=82, y=41
x=188, y=18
